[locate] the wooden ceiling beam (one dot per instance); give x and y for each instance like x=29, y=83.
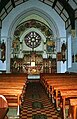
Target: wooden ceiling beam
x=70, y=11
x=3, y=4
x=54, y=3
x=13, y=3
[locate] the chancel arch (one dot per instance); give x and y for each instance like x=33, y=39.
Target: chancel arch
x=40, y=29
x=36, y=14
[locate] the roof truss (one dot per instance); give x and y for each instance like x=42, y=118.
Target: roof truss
x=66, y=9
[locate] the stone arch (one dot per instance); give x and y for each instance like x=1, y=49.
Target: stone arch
x=28, y=12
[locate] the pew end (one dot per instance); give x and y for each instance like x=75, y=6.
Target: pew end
x=3, y=107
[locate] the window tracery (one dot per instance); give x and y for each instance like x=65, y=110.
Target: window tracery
x=32, y=39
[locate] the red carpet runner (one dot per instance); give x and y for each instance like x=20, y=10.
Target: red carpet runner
x=36, y=104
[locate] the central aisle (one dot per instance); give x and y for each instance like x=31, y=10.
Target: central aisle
x=36, y=104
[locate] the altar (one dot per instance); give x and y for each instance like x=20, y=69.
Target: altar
x=33, y=69
x=33, y=63
x=34, y=77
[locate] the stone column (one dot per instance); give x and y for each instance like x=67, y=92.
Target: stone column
x=8, y=52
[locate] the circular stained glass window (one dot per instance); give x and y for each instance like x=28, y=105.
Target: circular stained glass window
x=32, y=39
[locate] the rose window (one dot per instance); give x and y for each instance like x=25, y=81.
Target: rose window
x=32, y=39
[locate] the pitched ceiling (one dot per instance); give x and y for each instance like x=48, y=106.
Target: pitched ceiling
x=67, y=9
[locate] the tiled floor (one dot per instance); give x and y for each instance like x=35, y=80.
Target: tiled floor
x=36, y=93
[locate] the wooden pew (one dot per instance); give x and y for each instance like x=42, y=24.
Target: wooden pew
x=67, y=87
x=67, y=83
x=65, y=95
x=57, y=88
x=54, y=78
x=3, y=107
x=51, y=84
x=3, y=113
x=11, y=86
x=13, y=97
x=73, y=108
x=10, y=93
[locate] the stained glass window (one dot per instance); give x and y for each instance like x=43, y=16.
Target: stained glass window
x=32, y=39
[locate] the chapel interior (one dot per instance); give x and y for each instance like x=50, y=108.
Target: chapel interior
x=38, y=59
